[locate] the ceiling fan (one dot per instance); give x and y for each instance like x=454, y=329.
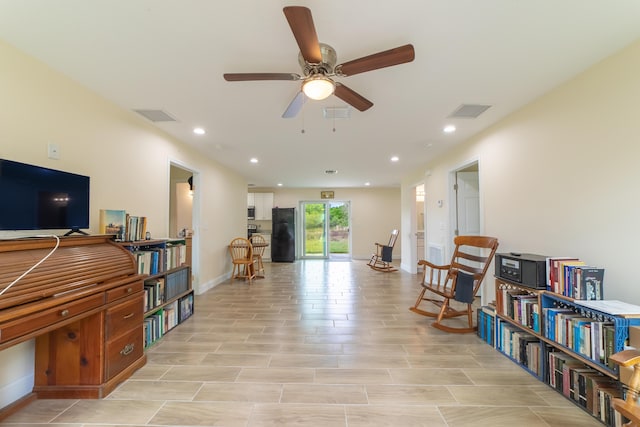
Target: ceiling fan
x=318, y=62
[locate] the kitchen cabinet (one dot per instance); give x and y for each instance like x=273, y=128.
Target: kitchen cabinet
x=263, y=203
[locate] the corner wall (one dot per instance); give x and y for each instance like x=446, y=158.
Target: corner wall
x=560, y=176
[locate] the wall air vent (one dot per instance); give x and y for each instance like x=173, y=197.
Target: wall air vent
x=156, y=115
x=469, y=111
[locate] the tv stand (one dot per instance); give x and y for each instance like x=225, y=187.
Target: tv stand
x=75, y=230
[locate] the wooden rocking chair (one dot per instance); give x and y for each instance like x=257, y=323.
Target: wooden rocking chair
x=381, y=260
x=628, y=407
x=459, y=281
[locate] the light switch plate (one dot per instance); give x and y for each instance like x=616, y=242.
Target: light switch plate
x=53, y=151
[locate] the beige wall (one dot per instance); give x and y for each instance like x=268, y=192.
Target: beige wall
x=374, y=213
x=560, y=176
x=127, y=160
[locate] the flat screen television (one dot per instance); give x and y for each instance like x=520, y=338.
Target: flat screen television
x=37, y=198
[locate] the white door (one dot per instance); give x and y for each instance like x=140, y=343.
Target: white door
x=467, y=204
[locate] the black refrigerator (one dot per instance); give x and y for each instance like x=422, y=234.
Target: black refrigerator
x=283, y=235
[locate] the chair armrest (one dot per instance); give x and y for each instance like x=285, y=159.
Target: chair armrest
x=626, y=357
x=428, y=264
x=433, y=275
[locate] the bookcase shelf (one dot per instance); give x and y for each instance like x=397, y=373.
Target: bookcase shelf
x=562, y=342
x=168, y=294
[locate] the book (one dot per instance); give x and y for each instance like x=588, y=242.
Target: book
x=552, y=271
x=564, y=276
x=113, y=221
x=588, y=283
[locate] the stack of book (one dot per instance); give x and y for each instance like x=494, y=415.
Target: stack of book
x=154, y=293
x=486, y=320
x=575, y=279
x=125, y=227
x=586, y=386
x=587, y=336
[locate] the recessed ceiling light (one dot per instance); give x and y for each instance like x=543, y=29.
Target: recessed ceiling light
x=449, y=129
x=395, y=158
x=198, y=131
x=253, y=160
x=279, y=184
x=367, y=184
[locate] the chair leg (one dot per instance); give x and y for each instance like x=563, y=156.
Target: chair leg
x=233, y=272
x=419, y=300
x=443, y=310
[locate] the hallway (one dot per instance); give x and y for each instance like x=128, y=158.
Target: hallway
x=317, y=343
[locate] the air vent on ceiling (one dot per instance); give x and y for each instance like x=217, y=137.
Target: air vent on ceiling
x=156, y=115
x=469, y=111
x=331, y=171
x=336, y=112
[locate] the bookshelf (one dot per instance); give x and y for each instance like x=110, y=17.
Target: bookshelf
x=168, y=294
x=565, y=343
x=168, y=301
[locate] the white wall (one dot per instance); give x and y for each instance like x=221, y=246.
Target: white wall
x=127, y=160
x=560, y=176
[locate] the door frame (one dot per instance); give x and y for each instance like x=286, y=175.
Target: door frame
x=453, y=206
x=474, y=162
x=195, y=216
x=301, y=228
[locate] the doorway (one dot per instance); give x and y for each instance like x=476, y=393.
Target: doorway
x=180, y=200
x=183, y=212
x=467, y=198
x=466, y=213
x=420, y=221
x=325, y=230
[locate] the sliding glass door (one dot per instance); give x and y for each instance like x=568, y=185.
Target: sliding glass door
x=325, y=228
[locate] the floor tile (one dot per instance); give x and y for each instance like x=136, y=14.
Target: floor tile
x=316, y=343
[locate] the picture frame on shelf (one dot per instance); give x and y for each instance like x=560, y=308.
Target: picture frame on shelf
x=113, y=221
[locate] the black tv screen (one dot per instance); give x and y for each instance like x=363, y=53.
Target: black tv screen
x=37, y=198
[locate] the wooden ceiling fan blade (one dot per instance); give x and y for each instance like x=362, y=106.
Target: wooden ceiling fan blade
x=352, y=98
x=295, y=106
x=387, y=58
x=301, y=23
x=243, y=77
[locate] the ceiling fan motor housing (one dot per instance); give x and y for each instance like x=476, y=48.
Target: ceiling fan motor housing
x=329, y=59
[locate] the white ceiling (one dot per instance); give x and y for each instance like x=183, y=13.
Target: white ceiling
x=171, y=54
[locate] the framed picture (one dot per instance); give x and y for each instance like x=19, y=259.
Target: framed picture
x=326, y=194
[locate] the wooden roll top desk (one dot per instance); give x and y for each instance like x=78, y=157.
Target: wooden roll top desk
x=83, y=306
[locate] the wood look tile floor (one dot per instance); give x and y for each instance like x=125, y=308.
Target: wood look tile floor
x=317, y=343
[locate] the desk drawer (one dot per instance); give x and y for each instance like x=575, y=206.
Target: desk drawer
x=124, y=316
x=47, y=318
x=124, y=291
x=122, y=352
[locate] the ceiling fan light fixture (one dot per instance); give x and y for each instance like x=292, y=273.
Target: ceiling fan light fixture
x=318, y=87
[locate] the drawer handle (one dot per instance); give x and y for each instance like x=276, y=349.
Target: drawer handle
x=128, y=316
x=64, y=313
x=129, y=290
x=127, y=350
